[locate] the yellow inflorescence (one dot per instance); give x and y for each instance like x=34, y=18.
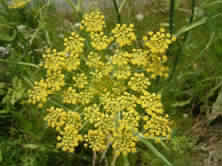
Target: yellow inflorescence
x=67, y=124
x=93, y=22
x=18, y=4
x=74, y=44
x=100, y=41
x=124, y=35
x=158, y=42
x=138, y=82
x=103, y=96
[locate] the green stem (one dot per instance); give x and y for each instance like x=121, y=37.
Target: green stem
x=192, y=26
x=20, y=63
x=191, y=18
x=79, y=4
x=117, y=11
x=171, y=15
x=155, y=151
x=94, y=159
x=71, y=4
x=115, y=157
x=171, y=26
x=176, y=60
x=126, y=161
x=122, y=5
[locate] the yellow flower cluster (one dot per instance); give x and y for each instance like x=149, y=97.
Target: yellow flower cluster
x=124, y=35
x=139, y=82
x=67, y=124
x=100, y=41
x=74, y=44
x=93, y=22
x=39, y=93
x=157, y=66
x=104, y=96
x=158, y=42
x=18, y=4
x=155, y=122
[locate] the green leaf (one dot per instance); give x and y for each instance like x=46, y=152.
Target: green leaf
x=31, y=146
x=71, y=3
x=6, y=36
x=155, y=151
x=191, y=26
x=213, y=90
x=206, y=5
x=4, y=112
x=1, y=156
x=2, y=85
x=20, y=63
x=182, y=103
x=216, y=109
x=3, y=20
x=2, y=92
x=123, y=3
x=177, y=3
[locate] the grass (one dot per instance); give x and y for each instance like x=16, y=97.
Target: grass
x=195, y=82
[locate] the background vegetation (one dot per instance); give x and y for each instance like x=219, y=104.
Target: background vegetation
x=191, y=95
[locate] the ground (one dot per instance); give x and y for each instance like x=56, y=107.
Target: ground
x=208, y=142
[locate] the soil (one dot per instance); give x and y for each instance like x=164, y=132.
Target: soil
x=208, y=142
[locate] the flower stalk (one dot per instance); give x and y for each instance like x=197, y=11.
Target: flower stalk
x=117, y=11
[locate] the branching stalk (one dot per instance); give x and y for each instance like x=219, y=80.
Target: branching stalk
x=115, y=157
x=171, y=15
x=185, y=38
x=191, y=18
x=117, y=11
x=94, y=159
x=122, y=5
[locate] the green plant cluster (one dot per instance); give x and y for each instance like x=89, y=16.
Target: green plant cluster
x=193, y=87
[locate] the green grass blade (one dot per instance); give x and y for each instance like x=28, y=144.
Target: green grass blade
x=20, y=63
x=155, y=151
x=122, y=5
x=206, y=5
x=72, y=5
x=191, y=26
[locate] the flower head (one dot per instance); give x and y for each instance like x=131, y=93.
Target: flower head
x=18, y=4
x=104, y=96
